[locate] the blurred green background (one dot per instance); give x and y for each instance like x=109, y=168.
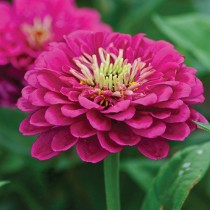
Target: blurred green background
x=66, y=183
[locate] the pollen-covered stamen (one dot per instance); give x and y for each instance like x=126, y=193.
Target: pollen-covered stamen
x=110, y=72
x=39, y=33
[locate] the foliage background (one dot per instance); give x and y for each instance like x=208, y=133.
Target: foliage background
x=65, y=183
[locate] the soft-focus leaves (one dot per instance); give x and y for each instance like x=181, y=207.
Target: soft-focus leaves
x=142, y=171
x=138, y=11
x=2, y=183
x=191, y=32
x=10, y=137
x=177, y=177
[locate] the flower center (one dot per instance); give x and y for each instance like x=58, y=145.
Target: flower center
x=39, y=33
x=110, y=76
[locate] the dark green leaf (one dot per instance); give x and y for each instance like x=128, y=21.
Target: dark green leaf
x=177, y=177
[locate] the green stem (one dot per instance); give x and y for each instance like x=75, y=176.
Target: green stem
x=111, y=175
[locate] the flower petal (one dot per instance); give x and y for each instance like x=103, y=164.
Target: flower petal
x=154, y=149
x=49, y=81
x=41, y=148
x=72, y=110
x=118, y=107
x=180, y=115
x=123, y=135
x=86, y=103
x=55, y=98
x=82, y=129
x=147, y=100
x=176, y=131
x=124, y=115
x=37, y=118
x=90, y=150
x=107, y=143
x=63, y=140
x=55, y=117
x=98, y=121
x=140, y=121
x=37, y=97
x=27, y=129
x=155, y=130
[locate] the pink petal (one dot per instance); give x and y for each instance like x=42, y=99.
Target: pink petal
x=63, y=140
x=197, y=100
x=182, y=90
x=73, y=95
x=50, y=81
x=72, y=110
x=147, y=100
x=176, y=131
x=162, y=114
x=107, y=143
x=37, y=97
x=31, y=78
x=86, y=103
x=37, y=118
x=41, y=148
x=140, y=121
x=155, y=130
x=98, y=121
x=124, y=115
x=154, y=149
x=54, y=59
x=123, y=135
x=118, y=107
x=90, y=150
x=26, y=91
x=55, y=98
x=172, y=104
x=27, y=129
x=163, y=92
x=180, y=115
x=55, y=117
x=25, y=106
x=82, y=129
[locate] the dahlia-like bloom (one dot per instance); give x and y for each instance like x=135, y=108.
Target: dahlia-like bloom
x=27, y=26
x=11, y=84
x=104, y=91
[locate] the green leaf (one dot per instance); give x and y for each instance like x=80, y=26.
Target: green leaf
x=206, y=127
x=191, y=32
x=177, y=177
x=10, y=137
x=142, y=171
x=2, y=183
x=138, y=12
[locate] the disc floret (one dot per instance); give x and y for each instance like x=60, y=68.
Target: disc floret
x=39, y=33
x=110, y=72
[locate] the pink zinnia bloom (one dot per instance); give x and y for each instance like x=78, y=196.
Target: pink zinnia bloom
x=27, y=27
x=11, y=84
x=104, y=91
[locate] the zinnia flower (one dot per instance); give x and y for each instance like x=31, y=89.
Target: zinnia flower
x=27, y=27
x=11, y=84
x=104, y=91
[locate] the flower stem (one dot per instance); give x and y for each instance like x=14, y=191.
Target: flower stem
x=111, y=175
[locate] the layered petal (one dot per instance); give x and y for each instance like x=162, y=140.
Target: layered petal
x=154, y=149
x=89, y=150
